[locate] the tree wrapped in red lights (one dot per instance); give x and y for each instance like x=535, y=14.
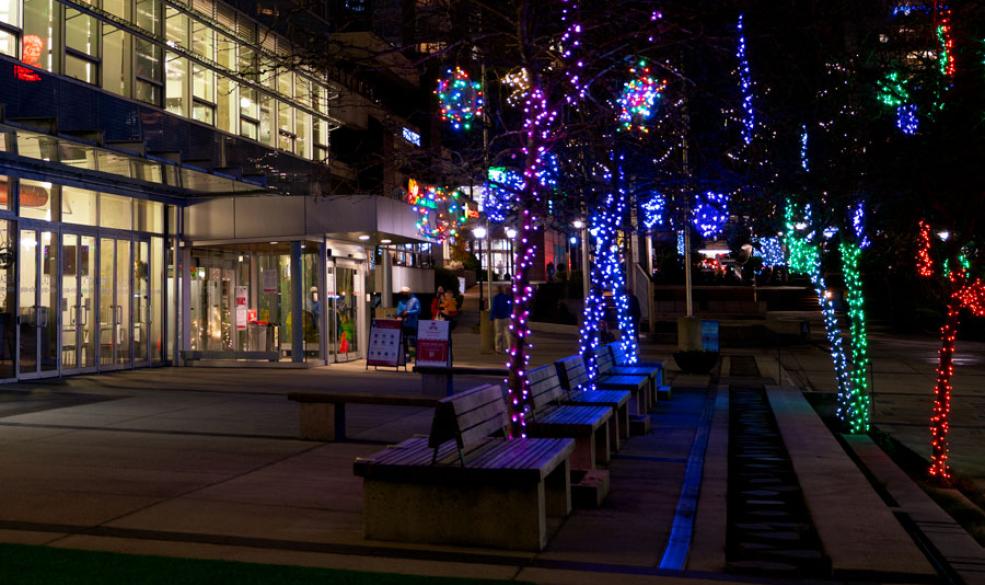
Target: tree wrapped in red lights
x=964, y=293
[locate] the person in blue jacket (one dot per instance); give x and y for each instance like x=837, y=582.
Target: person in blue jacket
x=408, y=311
x=502, y=309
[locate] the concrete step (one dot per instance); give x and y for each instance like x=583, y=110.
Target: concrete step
x=858, y=532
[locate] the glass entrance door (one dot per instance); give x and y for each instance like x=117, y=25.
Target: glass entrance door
x=38, y=301
x=344, y=298
x=141, y=302
x=114, y=303
x=78, y=349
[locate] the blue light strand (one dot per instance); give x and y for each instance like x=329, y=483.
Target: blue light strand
x=907, y=120
x=653, y=210
x=710, y=213
x=607, y=274
x=771, y=251
x=804, y=159
x=502, y=188
x=858, y=225
x=805, y=257
x=745, y=84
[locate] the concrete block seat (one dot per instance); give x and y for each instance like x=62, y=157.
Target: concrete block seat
x=640, y=385
x=463, y=486
x=653, y=370
x=589, y=425
x=556, y=376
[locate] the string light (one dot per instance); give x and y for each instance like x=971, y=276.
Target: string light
x=710, y=213
x=907, y=120
x=855, y=407
x=519, y=83
x=805, y=258
x=653, y=210
x=925, y=264
x=945, y=44
x=771, y=251
x=439, y=211
x=460, y=99
x=502, y=187
x=804, y=161
x=745, y=84
x=639, y=97
x=968, y=295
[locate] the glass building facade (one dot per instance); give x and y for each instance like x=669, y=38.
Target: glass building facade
x=128, y=125
x=201, y=60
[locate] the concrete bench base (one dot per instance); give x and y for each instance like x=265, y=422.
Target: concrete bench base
x=589, y=489
x=639, y=425
x=318, y=421
x=512, y=517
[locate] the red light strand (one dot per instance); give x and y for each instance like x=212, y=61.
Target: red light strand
x=925, y=264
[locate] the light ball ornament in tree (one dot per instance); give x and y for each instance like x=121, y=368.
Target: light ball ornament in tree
x=461, y=99
x=710, y=213
x=639, y=98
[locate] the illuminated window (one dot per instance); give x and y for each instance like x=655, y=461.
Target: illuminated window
x=176, y=84
x=115, y=66
x=78, y=206
x=115, y=211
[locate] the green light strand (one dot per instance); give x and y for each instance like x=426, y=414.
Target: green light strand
x=892, y=90
x=855, y=408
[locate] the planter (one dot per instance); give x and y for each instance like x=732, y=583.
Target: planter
x=696, y=362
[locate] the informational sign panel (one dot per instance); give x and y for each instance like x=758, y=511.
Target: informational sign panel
x=386, y=344
x=268, y=279
x=241, y=309
x=709, y=335
x=433, y=343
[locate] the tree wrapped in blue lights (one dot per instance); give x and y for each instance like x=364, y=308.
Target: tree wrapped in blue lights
x=607, y=274
x=804, y=257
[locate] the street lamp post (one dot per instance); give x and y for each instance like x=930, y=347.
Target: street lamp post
x=511, y=234
x=585, y=277
x=479, y=233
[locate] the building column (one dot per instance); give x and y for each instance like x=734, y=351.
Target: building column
x=297, y=305
x=184, y=284
x=322, y=276
x=387, y=285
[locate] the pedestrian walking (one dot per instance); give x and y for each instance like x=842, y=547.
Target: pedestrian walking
x=502, y=309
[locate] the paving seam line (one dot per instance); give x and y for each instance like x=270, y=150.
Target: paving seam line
x=682, y=529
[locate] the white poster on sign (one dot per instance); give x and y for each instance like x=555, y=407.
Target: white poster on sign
x=241, y=301
x=433, y=343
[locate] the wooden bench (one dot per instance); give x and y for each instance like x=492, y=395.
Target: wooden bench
x=606, y=379
x=588, y=425
x=461, y=486
x=440, y=380
x=323, y=413
x=618, y=401
x=655, y=370
x=574, y=377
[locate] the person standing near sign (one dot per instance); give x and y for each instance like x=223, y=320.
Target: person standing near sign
x=408, y=311
x=436, y=303
x=502, y=309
